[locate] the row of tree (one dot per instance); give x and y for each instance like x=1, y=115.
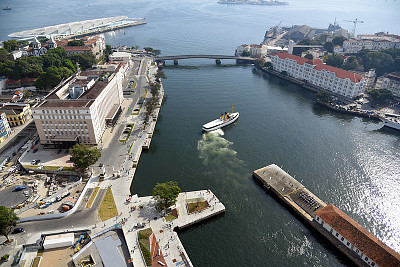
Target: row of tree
x=49, y=68
x=153, y=101
x=383, y=61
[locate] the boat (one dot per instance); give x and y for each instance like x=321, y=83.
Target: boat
x=224, y=120
x=7, y=8
x=392, y=121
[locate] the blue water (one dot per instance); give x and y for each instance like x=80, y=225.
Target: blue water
x=344, y=160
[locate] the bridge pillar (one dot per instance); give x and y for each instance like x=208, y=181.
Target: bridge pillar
x=175, y=62
x=218, y=61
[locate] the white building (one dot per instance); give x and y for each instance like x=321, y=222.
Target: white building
x=355, y=238
x=315, y=72
x=254, y=50
x=79, y=109
x=390, y=82
x=119, y=57
x=371, y=42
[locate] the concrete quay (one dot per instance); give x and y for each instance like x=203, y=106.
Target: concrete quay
x=290, y=191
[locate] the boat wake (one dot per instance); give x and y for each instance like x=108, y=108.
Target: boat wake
x=216, y=153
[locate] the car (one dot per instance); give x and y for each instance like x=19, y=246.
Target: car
x=101, y=165
x=136, y=109
x=18, y=230
x=66, y=151
x=59, y=151
x=35, y=150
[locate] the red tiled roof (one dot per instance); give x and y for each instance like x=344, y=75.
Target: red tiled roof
x=318, y=65
x=77, y=48
x=366, y=242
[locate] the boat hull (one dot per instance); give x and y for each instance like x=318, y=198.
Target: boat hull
x=217, y=124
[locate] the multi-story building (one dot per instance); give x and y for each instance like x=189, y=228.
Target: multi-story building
x=91, y=44
x=79, y=109
x=17, y=114
x=119, y=57
x=356, y=238
x=390, y=82
x=5, y=129
x=317, y=73
x=254, y=50
x=374, y=42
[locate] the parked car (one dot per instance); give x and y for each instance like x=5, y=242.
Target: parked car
x=59, y=151
x=18, y=230
x=101, y=165
x=35, y=150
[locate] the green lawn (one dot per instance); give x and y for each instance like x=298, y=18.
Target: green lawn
x=108, y=209
x=92, y=197
x=197, y=206
x=144, y=243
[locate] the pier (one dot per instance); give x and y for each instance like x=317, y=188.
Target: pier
x=290, y=191
x=354, y=241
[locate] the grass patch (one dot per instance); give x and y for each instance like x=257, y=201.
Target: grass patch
x=92, y=197
x=144, y=244
x=169, y=217
x=130, y=148
x=197, y=206
x=49, y=168
x=108, y=209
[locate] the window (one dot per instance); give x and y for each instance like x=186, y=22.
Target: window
x=348, y=243
x=366, y=258
x=373, y=264
x=342, y=238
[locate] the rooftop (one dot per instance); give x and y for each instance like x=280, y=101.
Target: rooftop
x=319, y=65
x=369, y=244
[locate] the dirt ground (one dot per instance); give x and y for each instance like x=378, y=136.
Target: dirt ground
x=58, y=257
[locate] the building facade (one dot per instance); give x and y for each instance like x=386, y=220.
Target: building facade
x=5, y=129
x=315, y=72
x=374, y=42
x=17, y=114
x=119, y=57
x=391, y=82
x=80, y=109
x=371, y=250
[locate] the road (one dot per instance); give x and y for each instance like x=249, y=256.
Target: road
x=112, y=156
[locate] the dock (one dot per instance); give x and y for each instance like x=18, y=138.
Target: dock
x=349, y=237
x=290, y=191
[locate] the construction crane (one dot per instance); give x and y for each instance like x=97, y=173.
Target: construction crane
x=355, y=25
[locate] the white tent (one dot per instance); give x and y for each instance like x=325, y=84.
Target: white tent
x=57, y=241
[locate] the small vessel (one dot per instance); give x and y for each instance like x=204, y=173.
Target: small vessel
x=224, y=120
x=392, y=121
x=7, y=8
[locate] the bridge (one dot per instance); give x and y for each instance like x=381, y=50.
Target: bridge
x=218, y=58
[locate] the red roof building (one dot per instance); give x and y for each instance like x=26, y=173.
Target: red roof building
x=315, y=72
x=355, y=237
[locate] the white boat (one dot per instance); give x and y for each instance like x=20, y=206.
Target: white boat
x=223, y=121
x=392, y=122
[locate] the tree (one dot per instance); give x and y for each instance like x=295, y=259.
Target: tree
x=351, y=63
x=335, y=60
x=324, y=97
x=148, y=49
x=8, y=220
x=76, y=43
x=108, y=51
x=48, y=79
x=156, y=52
x=309, y=56
x=338, y=40
x=4, y=55
x=329, y=46
x=381, y=95
x=27, y=94
x=166, y=193
x=245, y=53
x=83, y=156
x=10, y=45
x=382, y=62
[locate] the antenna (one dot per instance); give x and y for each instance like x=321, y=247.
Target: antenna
x=355, y=25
